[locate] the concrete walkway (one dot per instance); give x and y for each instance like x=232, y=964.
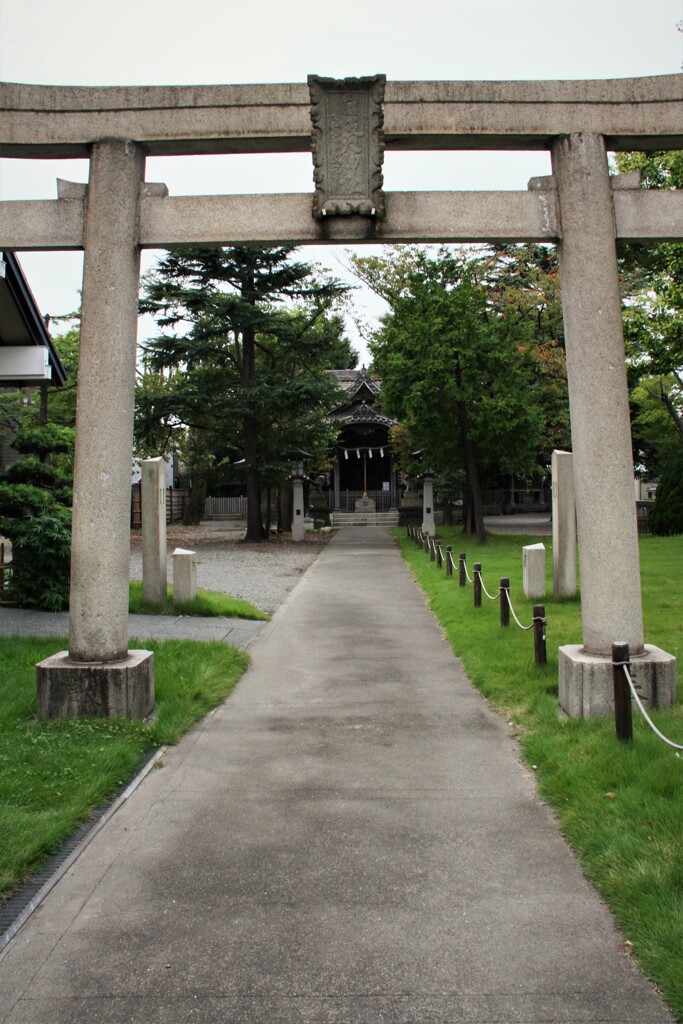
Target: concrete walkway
x=350, y=839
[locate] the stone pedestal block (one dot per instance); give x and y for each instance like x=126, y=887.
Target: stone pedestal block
x=586, y=688
x=365, y=504
x=533, y=574
x=76, y=689
x=184, y=575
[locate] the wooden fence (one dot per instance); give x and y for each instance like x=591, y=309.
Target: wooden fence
x=176, y=500
x=226, y=508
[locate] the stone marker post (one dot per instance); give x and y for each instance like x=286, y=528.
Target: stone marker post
x=153, y=487
x=564, y=525
x=611, y=604
x=428, y=523
x=99, y=675
x=184, y=575
x=533, y=570
x=298, y=528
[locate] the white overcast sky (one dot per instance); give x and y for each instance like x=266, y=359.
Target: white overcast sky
x=157, y=42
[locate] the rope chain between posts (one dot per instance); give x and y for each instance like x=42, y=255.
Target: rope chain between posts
x=514, y=616
x=643, y=712
x=449, y=555
x=491, y=597
x=496, y=597
x=464, y=562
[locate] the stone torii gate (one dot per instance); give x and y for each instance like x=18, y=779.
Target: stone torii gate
x=579, y=207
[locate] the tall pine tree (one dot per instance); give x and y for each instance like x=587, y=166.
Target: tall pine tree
x=227, y=324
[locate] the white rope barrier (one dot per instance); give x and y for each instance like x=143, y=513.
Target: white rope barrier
x=644, y=713
x=514, y=616
x=481, y=580
x=469, y=578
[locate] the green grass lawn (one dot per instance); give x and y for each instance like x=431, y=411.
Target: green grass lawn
x=52, y=774
x=207, y=603
x=619, y=805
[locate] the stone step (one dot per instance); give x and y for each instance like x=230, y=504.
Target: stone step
x=384, y=519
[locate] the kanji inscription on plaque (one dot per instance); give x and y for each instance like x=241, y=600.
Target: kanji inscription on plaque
x=347, y=145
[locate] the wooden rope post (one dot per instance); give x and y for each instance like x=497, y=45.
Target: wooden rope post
x=462, y=569
x=439, y=556
x=449, y=560
x=476, y=572
x=504, y=601
x=539, y=635
x=622, y=693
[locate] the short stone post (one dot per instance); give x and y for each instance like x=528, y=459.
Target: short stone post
x=184, y=575
x=153, y=488
x=428, y=522
x=99, y=675
x=298, y=528
x=564, y=525
x=533, y=570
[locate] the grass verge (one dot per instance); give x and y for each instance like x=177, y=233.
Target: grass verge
x=619, y=805
x=53, y=773
x=207, y=603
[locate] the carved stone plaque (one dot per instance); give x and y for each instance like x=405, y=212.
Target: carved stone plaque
x=348, y=145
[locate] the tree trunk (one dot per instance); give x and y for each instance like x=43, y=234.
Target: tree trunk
x=255, y=531
x=194, y=511
x=269, y=506
x=670, y=407
x=254, y=524
x=472, y=470
x=285, y=510
x=475, y=485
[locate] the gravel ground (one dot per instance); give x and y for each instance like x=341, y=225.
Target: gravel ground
x=260, y=573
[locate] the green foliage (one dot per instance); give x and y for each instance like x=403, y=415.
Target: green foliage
x=237, y=375
x=617, y=804
x=44, y=439
x=652, y=288
x=41, y=555
x=53, y=773
x=35, y=513
x=666, y=518
x=456, y=366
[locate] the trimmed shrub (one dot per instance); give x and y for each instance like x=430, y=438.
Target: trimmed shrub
x=666, y=518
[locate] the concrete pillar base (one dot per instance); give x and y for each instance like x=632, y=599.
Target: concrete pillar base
x=76, y=689
x=586, y=688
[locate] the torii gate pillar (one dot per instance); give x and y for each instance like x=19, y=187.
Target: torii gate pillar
x=611, y=603
x=99, y=675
